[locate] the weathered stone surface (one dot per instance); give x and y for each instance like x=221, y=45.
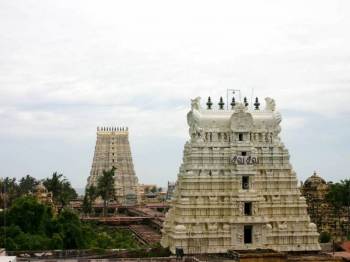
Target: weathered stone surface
x=236, y=188
x=328, y=218
x=113, y=150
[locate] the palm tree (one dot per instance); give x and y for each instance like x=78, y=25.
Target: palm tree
x=61, y=189
x=27, y=184
x=89, y=198
x=105, y=187
x=9, y=191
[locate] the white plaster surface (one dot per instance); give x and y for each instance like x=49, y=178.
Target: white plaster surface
x=207, y=211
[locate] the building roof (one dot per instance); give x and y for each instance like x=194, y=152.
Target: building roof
x=314, y=181
x=237, y=117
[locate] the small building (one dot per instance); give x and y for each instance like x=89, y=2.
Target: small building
x=328, y=219
x=170, y=190
x=151, y=193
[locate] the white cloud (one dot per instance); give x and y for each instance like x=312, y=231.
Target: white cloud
x=293, y=123
x=68, y=66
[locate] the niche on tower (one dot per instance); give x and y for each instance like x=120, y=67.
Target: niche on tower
x=248, y=234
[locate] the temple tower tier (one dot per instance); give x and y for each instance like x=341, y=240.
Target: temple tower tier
x=113, y=150
x=236, y=189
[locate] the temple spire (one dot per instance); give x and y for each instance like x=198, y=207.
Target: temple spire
x=256, y=104
x=209, y=103
x=233, y=102
x=221, y=103
x=245, y=102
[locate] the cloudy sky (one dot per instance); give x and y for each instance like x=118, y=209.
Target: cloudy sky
x=69, y=66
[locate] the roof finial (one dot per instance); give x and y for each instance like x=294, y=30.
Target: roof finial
x=245, y=102
x=209, y=103
x=256, y=104
x=221, y=103
x=233, y=102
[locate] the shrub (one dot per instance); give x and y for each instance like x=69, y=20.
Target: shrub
x=325, y=237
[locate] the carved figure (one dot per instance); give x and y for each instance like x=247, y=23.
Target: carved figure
x=195, y=103
x=239, y=237
x=257, y=237
x=282, y=225
x=270, y=104
x=212, y=227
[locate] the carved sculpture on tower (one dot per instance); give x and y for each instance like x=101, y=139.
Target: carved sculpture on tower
x=236, y=188
x=113, y=150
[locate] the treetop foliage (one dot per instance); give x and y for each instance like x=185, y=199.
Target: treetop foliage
x=58, y=185
x=31, y=225
x=339, y=194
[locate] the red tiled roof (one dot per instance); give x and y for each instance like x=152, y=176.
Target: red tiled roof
x=346, y=246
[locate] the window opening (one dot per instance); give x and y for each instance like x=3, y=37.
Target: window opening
x=248, y=230
x=248, y=208
x=245, y=182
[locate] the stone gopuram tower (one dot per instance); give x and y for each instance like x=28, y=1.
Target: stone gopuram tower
x=236, y=189
x=113, y=150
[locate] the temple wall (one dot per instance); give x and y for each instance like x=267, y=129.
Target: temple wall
x=236, y=188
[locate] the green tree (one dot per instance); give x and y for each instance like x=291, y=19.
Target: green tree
x=26, y=225
x=7, y=234
x=146, y=189
x=89, y=197
x=29, y=215
x=62, y=191
x=154, y=189
x=105, y=187
x=31, y=225
x=325, y=237
x=339, y=197
x=87, y=206
x=56, y=241
x=27, y=241
x=9, y=191
x=27, y=184
x=104, y=240
x=72, y=230
x=54, y=184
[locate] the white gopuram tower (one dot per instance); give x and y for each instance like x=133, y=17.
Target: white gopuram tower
x=236, y=188
x=113, y=150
